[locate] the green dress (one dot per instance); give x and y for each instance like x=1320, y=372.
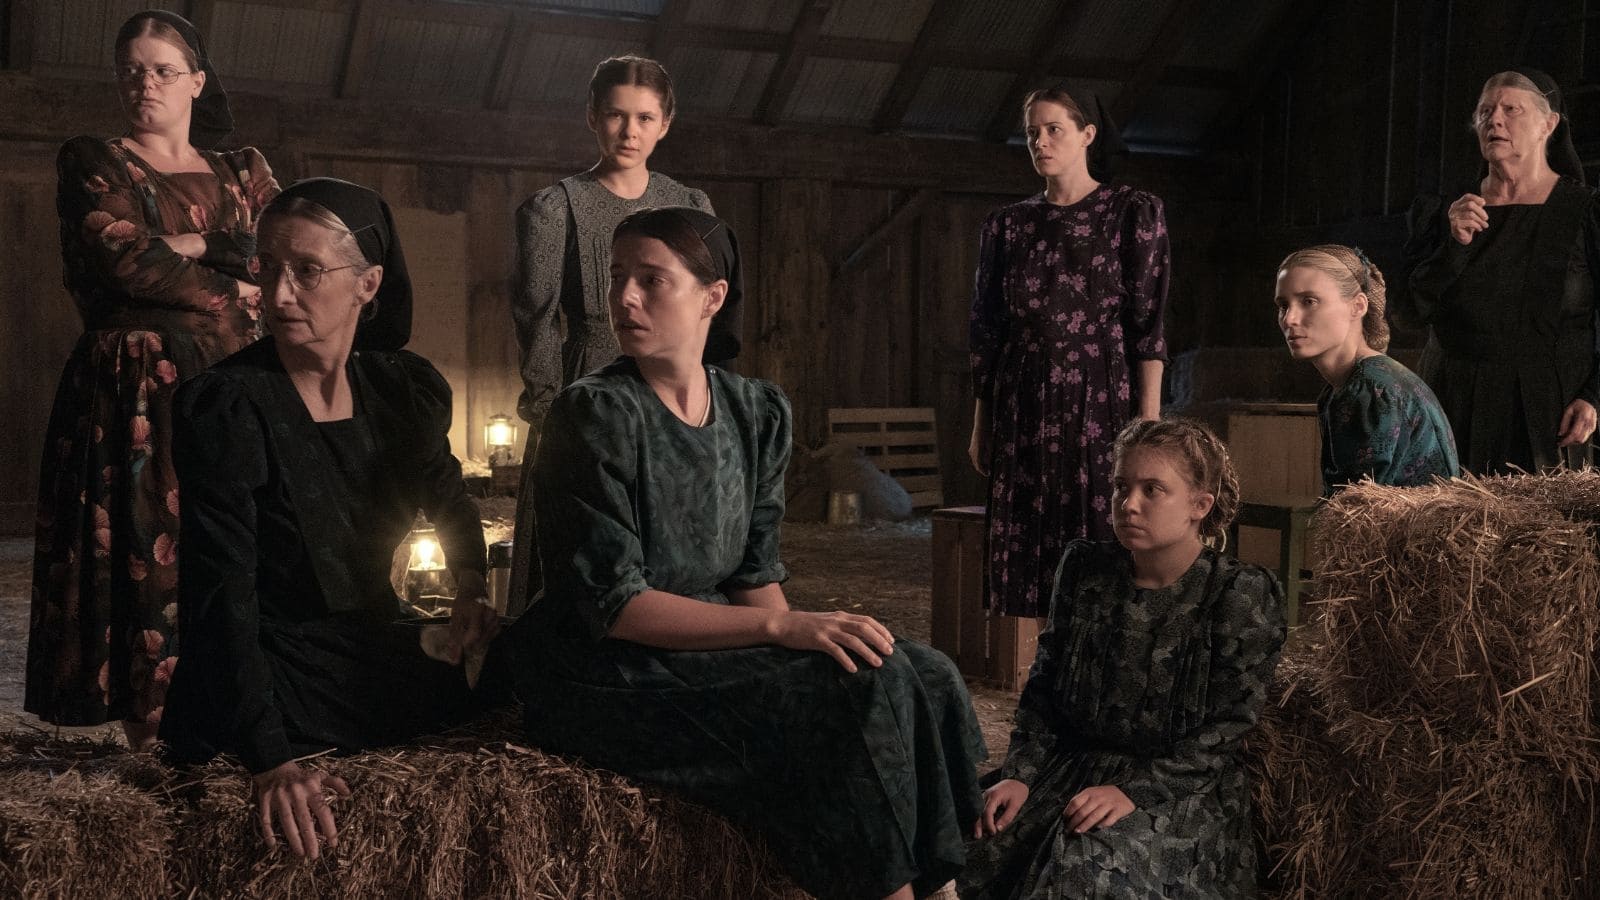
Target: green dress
x=1150, y=691
x=860, y=783
x=1384, y=423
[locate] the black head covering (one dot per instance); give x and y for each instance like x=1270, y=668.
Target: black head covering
x=722, y=342
x=210, y=120
x=1107, y=149
x=1558, y=150
x=366, y=214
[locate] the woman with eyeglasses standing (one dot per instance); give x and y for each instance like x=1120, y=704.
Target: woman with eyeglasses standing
x=156, y=229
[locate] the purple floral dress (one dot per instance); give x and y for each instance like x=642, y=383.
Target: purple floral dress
x=1068, y=298
x=105, y=570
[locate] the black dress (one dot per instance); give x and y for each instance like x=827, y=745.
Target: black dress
x=288, y=530
x=861, y=782
x=1512, y=325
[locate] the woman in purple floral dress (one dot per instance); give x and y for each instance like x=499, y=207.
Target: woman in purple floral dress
x=1067, y=346
x=156, y=231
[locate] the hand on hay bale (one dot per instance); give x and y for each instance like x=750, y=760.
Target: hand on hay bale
x=295, y=801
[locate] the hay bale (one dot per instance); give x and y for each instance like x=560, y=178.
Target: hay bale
x=66, y=835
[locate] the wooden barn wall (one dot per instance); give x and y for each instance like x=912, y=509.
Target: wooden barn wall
x=890, y=329
x=1368, y=109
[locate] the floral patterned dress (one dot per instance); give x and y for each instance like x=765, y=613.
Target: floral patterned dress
x=1383, y=423
x=101, y=640
x=1068, y=299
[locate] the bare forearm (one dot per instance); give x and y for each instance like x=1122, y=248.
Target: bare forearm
x=767, y=596
x=672, y=622
x=1148, y=391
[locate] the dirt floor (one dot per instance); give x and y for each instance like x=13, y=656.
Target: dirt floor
x=877, y=570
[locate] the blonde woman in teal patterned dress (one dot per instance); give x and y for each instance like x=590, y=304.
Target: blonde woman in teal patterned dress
x=1378, y=419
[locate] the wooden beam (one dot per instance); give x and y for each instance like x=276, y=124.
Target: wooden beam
x=897, y=100
x=19, y=47
x=1268, y=55
x=1048, y=47
x=1166, y=45
x=901, y=217
x=358, y=50
x=517, y=32
x=786, y=74
x=669, y=27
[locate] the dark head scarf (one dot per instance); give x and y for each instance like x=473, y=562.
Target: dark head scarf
x=368, y=216
x=1107, y=149
x=209, y=119
x=1558, y=150
x=722, y=342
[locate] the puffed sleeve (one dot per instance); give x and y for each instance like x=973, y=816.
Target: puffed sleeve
x=219, y=452
x=442, y=492
x=536, y=305
x=104, y=214
x=1363, y=432
x=1247, y=633
x=585, y=483
x=228, y=250
x=1038, y=728
x=699, y=200
x=761, y=564
x=986, y=323
x=1146, y=267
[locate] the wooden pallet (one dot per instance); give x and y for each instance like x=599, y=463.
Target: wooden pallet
x=902, y=442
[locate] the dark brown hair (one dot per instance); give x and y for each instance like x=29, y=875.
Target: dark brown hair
x=1055, y=95
x=678, y=234
x=1199, y=456
x=146, y=25
x=1352, y=273
x=637, y=71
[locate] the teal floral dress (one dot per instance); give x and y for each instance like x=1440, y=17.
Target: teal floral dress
x=102, y=640
x=860, y=782
x=1150, y=691
x=1384, y=423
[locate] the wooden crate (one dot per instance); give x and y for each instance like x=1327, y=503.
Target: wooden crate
x=995, y=650
x=1277, y=449
x=903, y=442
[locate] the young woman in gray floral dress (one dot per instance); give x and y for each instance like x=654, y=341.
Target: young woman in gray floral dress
x=1123, y=779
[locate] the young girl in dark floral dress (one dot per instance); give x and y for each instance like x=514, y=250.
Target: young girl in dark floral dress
x=1122, y=779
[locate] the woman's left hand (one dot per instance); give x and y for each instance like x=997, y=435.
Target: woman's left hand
x=1097, y=807
x=1577, y=423
x=473, y=622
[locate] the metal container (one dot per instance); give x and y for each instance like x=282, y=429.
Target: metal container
x=844, y=508
x=499, y=575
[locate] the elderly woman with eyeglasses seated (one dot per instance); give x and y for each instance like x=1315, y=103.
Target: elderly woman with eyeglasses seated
x=302, y=461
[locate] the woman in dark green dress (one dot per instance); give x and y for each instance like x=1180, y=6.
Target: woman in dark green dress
x=1506, y=285
x=1379, y=420
x=1123, y=778
x=663, y=647
x=303, y=461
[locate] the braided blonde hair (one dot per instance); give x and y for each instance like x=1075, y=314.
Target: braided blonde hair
x=1200, y=457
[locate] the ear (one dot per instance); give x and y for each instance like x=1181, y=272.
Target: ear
x=593, y=119
x=1089, y=132
x=1202, y=501
x=716, y=294
x=367, y=284
x=1358, y=304
x=199, y=84
x=666, y=126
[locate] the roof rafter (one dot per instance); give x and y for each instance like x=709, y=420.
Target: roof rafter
x=1163, y=49
x=358, y=50
x=669, y=24
x=1046, y=56
x=786, y=74
x=897, y=100
x=517, y=32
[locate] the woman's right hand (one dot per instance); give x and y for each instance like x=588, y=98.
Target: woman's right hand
x=837, y=634
x=1000, y=805
x=1467, y=216
x=295, y=797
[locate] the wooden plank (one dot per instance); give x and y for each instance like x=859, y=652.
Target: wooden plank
x=892, y=109
x=890, y=461
x=903, y=215
x=1175, y=28
x=517, y=32
x=1013, y=641
x=1048, y=48
x=786, y=74
x=792, y=291
x=926, y=499
x=358, y=50
x=879, y=414
x=945, y=630
x=974, y=659
x=917, y=484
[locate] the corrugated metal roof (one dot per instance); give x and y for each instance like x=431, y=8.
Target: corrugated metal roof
x=1174, y=117
x=274, y=43
x=1222, y=36
x=556, y=68
x=627, y=7
x=957, y=100
x=840, y=91
x=429, y=61
x=986, y=28
x=876, y=20
x=722, y=83
x=1117, y=30
x=773, y=15
x=84, y=32
x=1079, y=88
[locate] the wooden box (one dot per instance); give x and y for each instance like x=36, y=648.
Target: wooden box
x=996, y=650
x=1276, y=448
x=903, y=442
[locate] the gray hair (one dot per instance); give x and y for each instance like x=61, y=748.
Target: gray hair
x=1510, y=79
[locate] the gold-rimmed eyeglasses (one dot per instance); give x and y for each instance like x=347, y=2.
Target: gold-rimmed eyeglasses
x=162, y=74
x=304, y=276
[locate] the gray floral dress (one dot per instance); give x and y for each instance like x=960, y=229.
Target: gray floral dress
x=860, y=782
x=1150, y=691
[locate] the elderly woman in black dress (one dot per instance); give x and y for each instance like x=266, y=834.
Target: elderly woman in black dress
x=1506, y=285
x=303, y=461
